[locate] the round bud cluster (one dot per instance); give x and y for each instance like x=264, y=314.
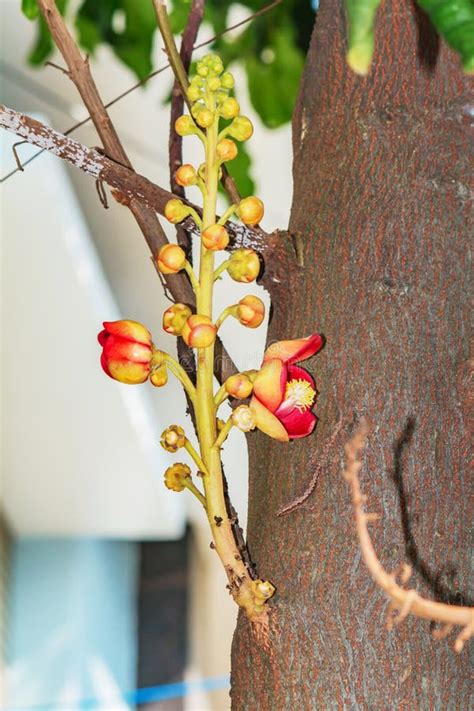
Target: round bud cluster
x=244, y=265
x=175, y=317
x=173, y=438
x=186, y=175
x=250, y=210
x=159, y=376
x=215, y=237
x=199, y=331
x=176, y=211
x=176, y=475
x=170, y=259
x=244, y=418
x=239, y=386
x=251, y=311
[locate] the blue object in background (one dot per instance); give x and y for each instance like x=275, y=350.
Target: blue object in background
x=72, y=622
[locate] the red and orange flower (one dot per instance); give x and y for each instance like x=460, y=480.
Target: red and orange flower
x=284, y=393
x=127, y=351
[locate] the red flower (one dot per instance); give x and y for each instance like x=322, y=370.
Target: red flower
x=283, y=393
x=127, y=351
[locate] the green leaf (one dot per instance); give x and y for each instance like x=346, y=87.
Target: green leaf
x=454, y=20
x=30, y=9
x=43, y=46
x=134, y=45
x=94, y=22
x=240, y=169
x=273, y=78
x=361, y=22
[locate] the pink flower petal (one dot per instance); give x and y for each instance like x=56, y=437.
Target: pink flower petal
x=293, y=351
x=298, y=424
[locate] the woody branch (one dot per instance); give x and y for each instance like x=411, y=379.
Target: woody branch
x=406, y=601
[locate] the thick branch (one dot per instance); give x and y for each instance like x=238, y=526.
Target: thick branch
x=407, y=601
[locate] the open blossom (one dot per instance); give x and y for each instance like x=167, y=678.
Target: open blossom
x=284, y=393
x=127, y=350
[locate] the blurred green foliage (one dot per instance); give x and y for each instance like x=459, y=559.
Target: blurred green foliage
x=271, y=48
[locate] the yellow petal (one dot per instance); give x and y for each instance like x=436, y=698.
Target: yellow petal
x=268, y=423
x=269, y=385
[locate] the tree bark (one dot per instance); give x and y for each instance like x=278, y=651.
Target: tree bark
x=381, y=199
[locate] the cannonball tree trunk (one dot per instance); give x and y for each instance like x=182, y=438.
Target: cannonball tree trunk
x=381, y=201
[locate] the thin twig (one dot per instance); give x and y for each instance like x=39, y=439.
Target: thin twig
x=314, y=480
x=406, y=601
x=16, y=156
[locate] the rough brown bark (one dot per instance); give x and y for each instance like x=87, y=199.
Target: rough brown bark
x=381, y=198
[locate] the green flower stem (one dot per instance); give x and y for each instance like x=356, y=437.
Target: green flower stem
x=227, y=312
x=220, y=396
x=228, y=213
x=240, y=582
x=192, y=276
x=195, y=216
x=179, y=372
x=223, y=434
x=195, y=456
x=188, y=483
x=221, y=269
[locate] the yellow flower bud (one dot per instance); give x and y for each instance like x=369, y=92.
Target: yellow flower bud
x=251, y=311
x=171, y=259
x=175, y=317
x=173, y=438
x=159, y=376
x=238, y=386
x=186, y=175
x=199, y=331
x=176, y=211
x=204, y=118
x=226, y=150
x=213, y=84
x=250, y=210
x=202, y=70
x=227, y=80
x=194, y=93
x=184, y=125
x=241, y=128
x=244, y=418
x=176, y=475
x=244, y=265
x=215, y=237
x=229, y=108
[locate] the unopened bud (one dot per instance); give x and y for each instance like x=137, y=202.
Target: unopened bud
x=176, y=211
x=238, y=386
x=229, y=108
x=241, y=128
x=186, y=175
x=193, y=93
x=227, y=80
x=171, y=259
x=204, y=118
x=199, y=332
x=250, y=210
x=173, y=438
x=185, y=126
x=215, y=237
x=159, y=376
x=251, y=311
x=175, y=317
x=244, y=418
x=226, y=150
x=244, y=265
